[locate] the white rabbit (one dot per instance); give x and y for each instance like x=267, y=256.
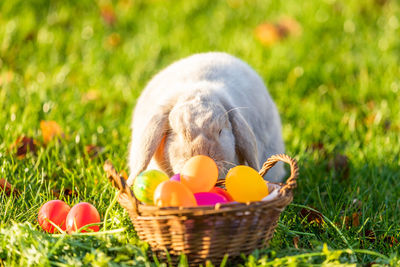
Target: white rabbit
x=211, y=104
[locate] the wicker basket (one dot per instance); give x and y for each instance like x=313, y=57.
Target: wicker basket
x=208, y=232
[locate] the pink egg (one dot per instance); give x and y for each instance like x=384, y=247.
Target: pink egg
x=209, y=199
x=176, y=177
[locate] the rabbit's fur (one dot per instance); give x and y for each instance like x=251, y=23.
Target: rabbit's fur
x=211, y=104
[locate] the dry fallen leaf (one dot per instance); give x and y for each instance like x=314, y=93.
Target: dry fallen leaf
x=340, y=164
x=352, y=221
x=23, y=145
x=289, y=26
x=391, y=240
x=317, y=146
x=113, y=40
x=370, y=235
x=7, y=188
x=296, y=240
x=50, y=130
x=108, y=14
x=90, y=95
x=312, y=216
x=355, y=218
x=65, y=192
x=93, y=150
x=269, y=33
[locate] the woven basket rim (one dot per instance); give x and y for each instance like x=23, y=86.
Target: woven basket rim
x=221, y=207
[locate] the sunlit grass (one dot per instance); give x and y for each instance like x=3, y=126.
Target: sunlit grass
x=83, y=64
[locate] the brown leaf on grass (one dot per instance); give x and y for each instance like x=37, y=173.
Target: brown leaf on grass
x=312, y=216
x=108, y=14
x=289, y=27
x=23, y=145
x=8, y=188
x=296, y=240
x=355, y=219
x=391, y=240
x=267, y=34
x=270, y=33
x=371, y=119
x=113, y=40
x=317, y=146
x=387, y=124
x=50, y=130
x=352, y=221
x=370, y=235
x=93, y=151
x=90, y=95
x=340, y=164
x=66, y=192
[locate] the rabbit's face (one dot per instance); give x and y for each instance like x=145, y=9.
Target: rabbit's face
x=199, y=128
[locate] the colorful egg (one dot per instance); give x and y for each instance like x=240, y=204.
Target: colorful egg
x=199, y=174
x=145, y=184
x=173, y=194
x=222, y=192
x=55, y=211
x=244, y=184
x=176, y=177
x=207, y=198
x=81, y=215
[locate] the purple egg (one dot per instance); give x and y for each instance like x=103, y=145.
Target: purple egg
x=209, y=199
x=176, y=177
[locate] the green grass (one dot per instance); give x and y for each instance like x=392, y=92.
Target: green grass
x=336, y=86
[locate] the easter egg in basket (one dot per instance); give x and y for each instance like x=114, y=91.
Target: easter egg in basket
x=199, y=174
x=245, y=184
x=145, y=184
x=209, y=199
x=173, y=194
x=176, y=177
x=222, y=192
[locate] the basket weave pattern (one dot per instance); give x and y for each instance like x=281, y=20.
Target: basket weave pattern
x=208, y=232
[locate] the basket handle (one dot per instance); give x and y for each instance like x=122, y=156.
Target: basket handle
x=126, y=197
x=294, y=171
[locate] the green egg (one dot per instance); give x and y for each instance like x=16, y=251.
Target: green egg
x=146, y=183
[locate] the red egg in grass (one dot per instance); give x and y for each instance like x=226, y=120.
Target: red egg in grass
x=55, y=211
x=220, y=191
x=80, y=215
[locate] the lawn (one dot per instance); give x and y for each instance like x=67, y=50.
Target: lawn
x=331, y=66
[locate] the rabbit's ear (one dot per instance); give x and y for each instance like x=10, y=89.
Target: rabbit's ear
x=245, y=139
x=146, y=138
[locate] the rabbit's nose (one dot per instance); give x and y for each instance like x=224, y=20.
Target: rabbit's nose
x=201, y=145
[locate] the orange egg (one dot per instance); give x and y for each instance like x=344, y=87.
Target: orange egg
x=199, y=174
x=173, y=194
x=245, y=184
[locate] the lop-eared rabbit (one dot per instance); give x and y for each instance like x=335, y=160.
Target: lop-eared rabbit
x=211, y=104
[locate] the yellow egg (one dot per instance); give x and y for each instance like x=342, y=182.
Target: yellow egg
x=199, y=174
x=244, y=184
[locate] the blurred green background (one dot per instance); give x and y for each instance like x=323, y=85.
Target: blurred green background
x=332, y=67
